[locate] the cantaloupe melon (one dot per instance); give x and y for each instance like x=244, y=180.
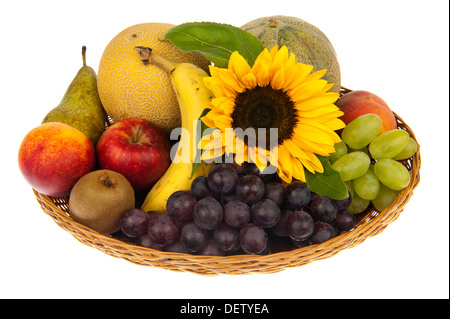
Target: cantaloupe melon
x=309, y=44
x=130, y=89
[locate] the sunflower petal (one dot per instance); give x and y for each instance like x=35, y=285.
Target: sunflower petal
x=311, y=103
x=321, y=111
x=226, y=78
x=300, y=72
x=316, y=75
x=307, y=90
x=273, y=52
x=327, y=88
x=285, y=162
x=312, y=133
x=222, y=121
x=249, y=81
x=224, y=104
x=258, y=157
x=298, y=170
x=294, y=149
x=331, y=124
x=216, y=134
x=217, y=88
x=289, y=71
x=323, y=127
x=279, y=59
x=239, y=66
x=309, y=146
x=211, y=154
x=316, y=163
x=277, y=81
x=241, y=151
x=261, y=68
x=208, y=119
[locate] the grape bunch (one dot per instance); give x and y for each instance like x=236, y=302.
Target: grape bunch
x=238, y=210
x=369, y=162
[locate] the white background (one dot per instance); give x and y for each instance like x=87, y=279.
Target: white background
x=395, y=49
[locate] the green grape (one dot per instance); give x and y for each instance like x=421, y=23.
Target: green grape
x=392, y=173
x=341, y=150
x=364, y=150
x=362, y=130
x=352, y=165
x=358, y=204
x=409, y=150
x=350, y=187
x=388, y=144
x=368, y=185
x=385, y=197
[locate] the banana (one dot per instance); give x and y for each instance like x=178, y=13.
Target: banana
x=192, y=95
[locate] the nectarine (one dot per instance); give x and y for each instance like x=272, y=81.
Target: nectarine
x=357, y=103
x=54, y=156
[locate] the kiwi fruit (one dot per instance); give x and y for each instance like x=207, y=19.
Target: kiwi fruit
x=99, y=198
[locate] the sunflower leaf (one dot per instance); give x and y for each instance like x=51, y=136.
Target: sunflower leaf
x=203, y=127
x=329, y=183
x=216, y=41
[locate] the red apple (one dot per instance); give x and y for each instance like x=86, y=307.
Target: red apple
x=136, y=148
x=357, y=103
x=54, y=156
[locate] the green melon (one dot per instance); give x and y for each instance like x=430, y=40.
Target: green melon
x=307, y=42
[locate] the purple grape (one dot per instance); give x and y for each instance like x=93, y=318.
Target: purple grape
x=163, y=229
x=280, y=229
x=239, y=168
x=146, y=241
x=343, y=204
x=300, y=243
x=300, y=225
x=226, y=236
x=266, y=213
x=235, y=250
x=193, y=237
x=226, y=198
x=153, y=213
x=180, y=205
x=177, y=247
x=236, y=214
x=267, y=250
x=222, y=178
x=344, y=221
x=322, y=232
x=200, y=188
x=134, y=222
x=252, y=169
x=211, y=248
x=276, y=192
x=298, y=195
x=323, y=208
x=250, y=189
x=253, y=239
x=208, y=213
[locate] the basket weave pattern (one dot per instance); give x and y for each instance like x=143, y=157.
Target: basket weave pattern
x=369, y=223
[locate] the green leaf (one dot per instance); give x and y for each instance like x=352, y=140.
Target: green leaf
x=216, y=41
x=203, y=127
x=329, y=183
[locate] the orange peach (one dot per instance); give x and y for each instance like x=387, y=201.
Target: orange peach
x=54, y=156
x=357, y=103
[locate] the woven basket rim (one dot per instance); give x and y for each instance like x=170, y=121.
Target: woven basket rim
x=373, y=223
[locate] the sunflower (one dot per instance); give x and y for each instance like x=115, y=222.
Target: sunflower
x=275, y=93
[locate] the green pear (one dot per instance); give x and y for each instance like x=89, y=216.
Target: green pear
x=81, y=106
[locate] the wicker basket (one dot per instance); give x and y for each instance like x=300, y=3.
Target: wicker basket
x=369, y=223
